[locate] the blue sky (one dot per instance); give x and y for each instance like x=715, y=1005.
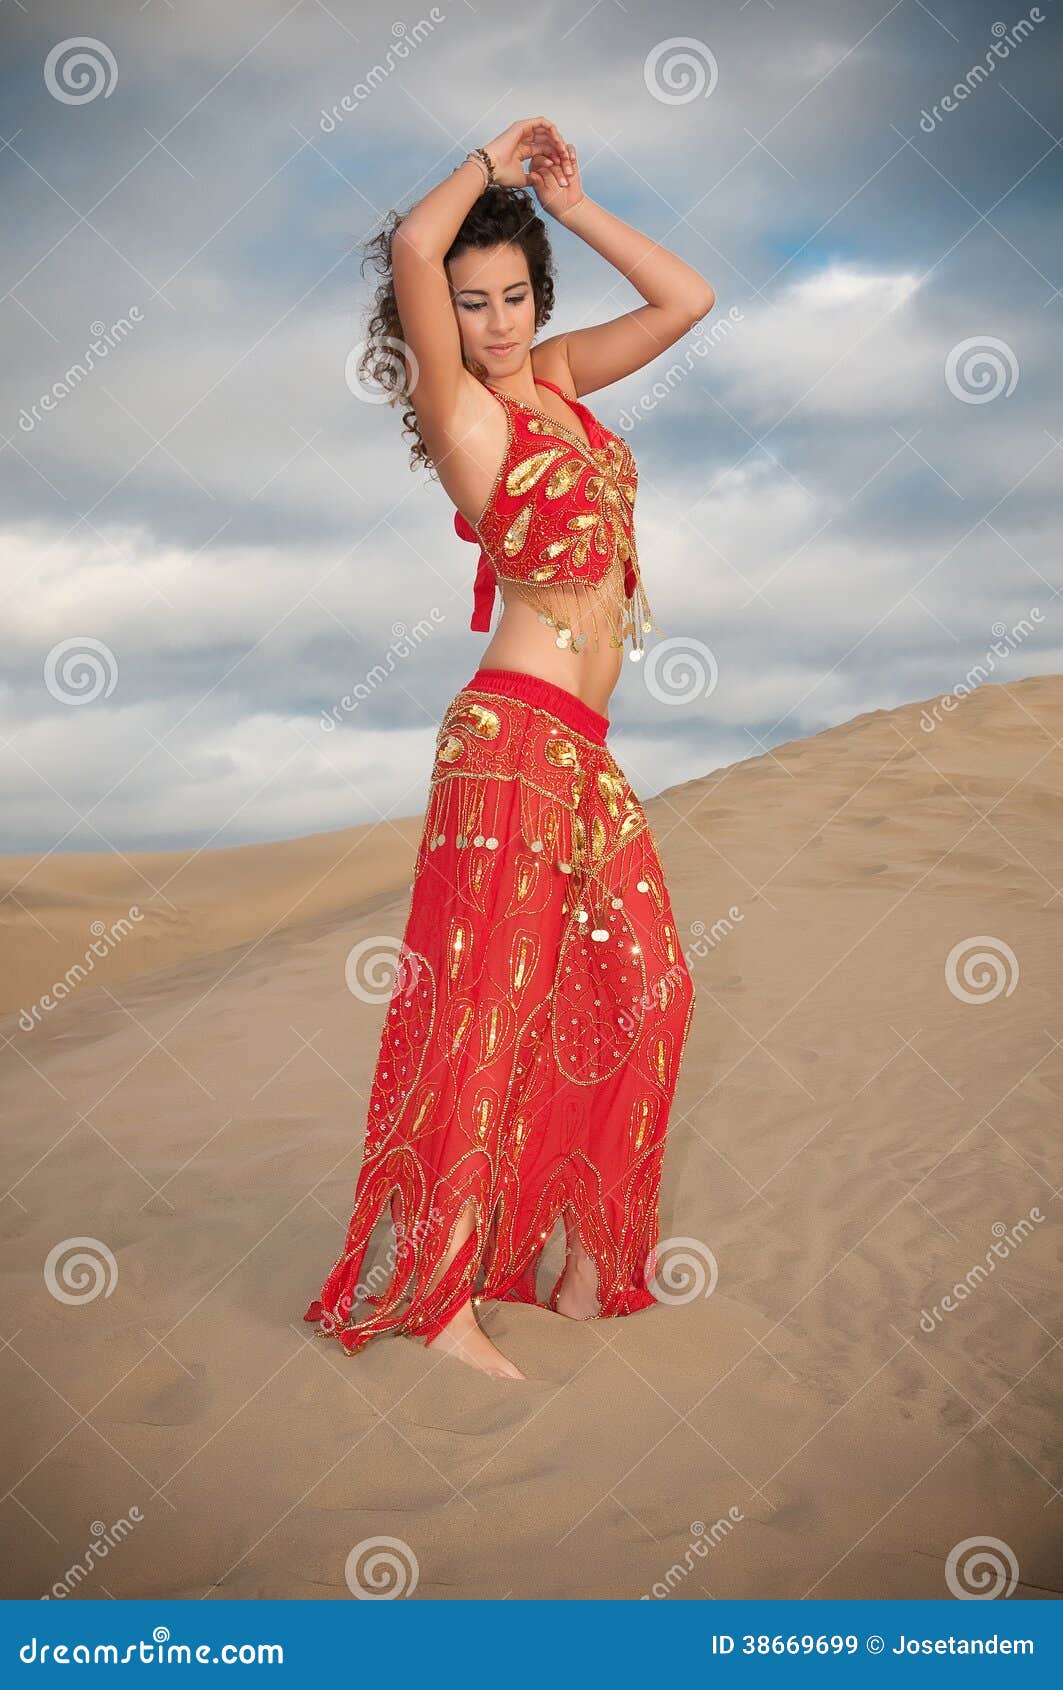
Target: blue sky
x=237, y=535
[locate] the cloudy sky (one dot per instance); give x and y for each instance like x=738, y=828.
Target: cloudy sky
x=850, y=474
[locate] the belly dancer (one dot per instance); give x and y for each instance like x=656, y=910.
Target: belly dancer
x=531, y=1048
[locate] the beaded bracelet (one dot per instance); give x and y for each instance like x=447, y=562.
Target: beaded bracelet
x=482, y=153
x=483, y=158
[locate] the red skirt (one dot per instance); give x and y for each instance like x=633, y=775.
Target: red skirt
x=533, y=1040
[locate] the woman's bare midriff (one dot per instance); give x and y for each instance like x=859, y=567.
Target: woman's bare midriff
x=521, y=641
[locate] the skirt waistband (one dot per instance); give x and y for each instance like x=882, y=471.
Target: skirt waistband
x=533, y=689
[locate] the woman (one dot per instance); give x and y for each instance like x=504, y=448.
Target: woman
x=532, y=1044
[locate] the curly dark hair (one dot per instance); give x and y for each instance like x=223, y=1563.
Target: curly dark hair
x=500, y=216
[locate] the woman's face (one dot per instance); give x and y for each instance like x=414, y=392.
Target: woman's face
x=495, y=308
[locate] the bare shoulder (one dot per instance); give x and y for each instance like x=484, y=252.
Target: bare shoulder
x=549, y=362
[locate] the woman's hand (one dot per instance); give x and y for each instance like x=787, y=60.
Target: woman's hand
x=558, y=186
x=529, y=137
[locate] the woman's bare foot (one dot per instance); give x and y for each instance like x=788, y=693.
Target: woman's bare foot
x=465, y=1340
x=578, y=1295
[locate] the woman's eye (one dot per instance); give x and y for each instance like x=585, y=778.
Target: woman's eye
x=470, y=305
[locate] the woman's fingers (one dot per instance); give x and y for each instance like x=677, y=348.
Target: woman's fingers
x=561, y=160
x=543, y=143
x=538, y=139
x=560, y=146
x=532, y=144
x=541, y=126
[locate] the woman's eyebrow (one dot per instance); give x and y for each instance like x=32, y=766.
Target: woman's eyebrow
x=507, y=289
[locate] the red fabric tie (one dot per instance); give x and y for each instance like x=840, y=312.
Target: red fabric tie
x=484, y=589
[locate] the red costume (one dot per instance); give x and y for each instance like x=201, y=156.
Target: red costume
x=558, y=527
x=532, y=1044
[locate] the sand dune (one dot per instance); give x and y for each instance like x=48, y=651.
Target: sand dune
x=151, y=909
x=864, y=1113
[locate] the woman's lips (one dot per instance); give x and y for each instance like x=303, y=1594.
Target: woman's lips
x=507, y=348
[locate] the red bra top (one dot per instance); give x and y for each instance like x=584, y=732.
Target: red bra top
x=558, y=527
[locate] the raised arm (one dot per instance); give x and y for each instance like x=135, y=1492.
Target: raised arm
x=676, y=295
x=419, y=246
